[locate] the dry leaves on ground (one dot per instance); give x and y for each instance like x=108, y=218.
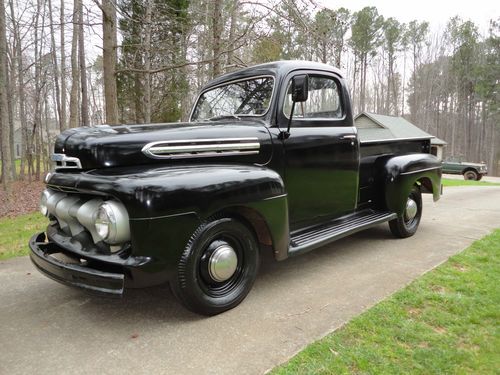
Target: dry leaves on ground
x=21, y=197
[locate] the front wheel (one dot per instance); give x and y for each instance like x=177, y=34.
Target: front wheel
x=218, y=267
x=406, y=225
x=470, y=175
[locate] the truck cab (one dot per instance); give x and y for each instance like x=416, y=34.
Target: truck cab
x=270, y=161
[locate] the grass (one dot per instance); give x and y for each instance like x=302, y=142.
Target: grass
x=16, y=232
x=452, y=182
x=446, y=322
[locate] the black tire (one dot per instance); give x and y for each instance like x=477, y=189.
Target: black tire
x=402, y=227
x=194, y=284
x=470, y=175
x=479, y=177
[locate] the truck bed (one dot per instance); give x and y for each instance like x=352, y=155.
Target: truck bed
x=373, y=154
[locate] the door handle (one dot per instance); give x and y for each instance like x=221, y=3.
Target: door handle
x=348, y=136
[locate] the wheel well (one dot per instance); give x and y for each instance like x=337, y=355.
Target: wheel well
x=425, y=184
x=470, y=169
x=255, y=221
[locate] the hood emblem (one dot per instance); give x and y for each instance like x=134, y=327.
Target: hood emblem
x=201, y=148
x=62, y=161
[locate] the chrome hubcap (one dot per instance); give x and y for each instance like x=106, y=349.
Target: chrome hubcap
x=222, y=263
x=411, y=209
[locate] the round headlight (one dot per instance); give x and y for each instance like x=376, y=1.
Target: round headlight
x=105, y=222
x=43, y=203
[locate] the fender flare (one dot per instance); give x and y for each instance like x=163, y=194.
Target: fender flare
x=402, y=172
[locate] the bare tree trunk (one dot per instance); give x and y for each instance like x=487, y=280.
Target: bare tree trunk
x=4, y=114
x=403, y=82
x=109, y=61
x=414, y=109
x=11, y=121
x=38, y=91
x=232, y=28
x=216, y=37
x=147, y=63
x=63, y=124
x=20, y=89
x=73, y=99
x=55, y=65
x=83, y=67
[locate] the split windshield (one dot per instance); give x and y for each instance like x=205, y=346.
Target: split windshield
x=250, y=97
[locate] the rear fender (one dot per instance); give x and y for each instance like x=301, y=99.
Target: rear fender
x=402, y=172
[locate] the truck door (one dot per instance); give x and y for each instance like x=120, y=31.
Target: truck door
x=321, y=153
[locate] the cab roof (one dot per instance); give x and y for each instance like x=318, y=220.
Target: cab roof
x=277, y=69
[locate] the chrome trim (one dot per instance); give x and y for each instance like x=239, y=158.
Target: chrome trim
x=420, y=170
x=64, y=160
x=235, y=81
x=75, y=214
x=348, y=136
x=411, y=209
x=398, y=139
x=223, y=263
x=195, y=148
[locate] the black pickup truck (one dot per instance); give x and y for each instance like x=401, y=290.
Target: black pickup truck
x=270, y=161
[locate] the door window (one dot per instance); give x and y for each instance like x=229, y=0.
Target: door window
x=323, y=102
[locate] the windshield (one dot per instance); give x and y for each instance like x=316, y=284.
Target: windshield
x=249, y=97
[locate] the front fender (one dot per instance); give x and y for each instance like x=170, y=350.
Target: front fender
x=161, y=191
x=167, y=204
x=402, y=172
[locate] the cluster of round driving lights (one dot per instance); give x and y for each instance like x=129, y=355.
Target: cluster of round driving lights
x=43, y=203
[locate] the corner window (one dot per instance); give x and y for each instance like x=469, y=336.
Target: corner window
x=323, y=102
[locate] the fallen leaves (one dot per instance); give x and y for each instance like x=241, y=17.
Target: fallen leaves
x=21, y=197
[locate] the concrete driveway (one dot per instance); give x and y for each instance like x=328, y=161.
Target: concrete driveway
x=46, y=328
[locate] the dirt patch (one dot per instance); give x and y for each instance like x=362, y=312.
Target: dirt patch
x=440, y=330
x=22, y=197
x=459, y=267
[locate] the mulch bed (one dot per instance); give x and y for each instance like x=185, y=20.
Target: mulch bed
x=21, y=198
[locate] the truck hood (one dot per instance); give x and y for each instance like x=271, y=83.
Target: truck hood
x=105, y=146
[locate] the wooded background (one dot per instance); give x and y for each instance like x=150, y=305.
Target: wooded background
x=66, y=64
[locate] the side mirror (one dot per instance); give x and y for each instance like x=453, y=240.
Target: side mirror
x=300, y=88
x=300, y=93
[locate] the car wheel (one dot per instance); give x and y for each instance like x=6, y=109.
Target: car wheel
x=218, y=267
x=406, y=225
x=470, y=175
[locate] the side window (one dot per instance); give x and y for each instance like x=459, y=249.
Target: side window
x=323, y=102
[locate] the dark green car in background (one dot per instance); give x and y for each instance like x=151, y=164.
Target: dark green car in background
x=470, y=171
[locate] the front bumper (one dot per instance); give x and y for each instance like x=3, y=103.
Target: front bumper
x=70, y=270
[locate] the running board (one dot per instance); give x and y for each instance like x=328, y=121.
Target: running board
x=305, y=240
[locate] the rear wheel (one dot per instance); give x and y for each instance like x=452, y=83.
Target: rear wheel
x=406, y=225
x=470, y=175
x=218, y=267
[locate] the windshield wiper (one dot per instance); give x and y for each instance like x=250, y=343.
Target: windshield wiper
x=221, y=117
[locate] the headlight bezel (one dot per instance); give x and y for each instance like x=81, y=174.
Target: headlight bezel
x=105, y=222
x=43, y=207
x=113, y=216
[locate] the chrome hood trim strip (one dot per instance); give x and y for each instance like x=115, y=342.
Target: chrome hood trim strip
x=196, y=148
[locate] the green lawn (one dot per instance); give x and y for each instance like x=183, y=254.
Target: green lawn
x=16, y=232
x=452, y=182
x=446, y=322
